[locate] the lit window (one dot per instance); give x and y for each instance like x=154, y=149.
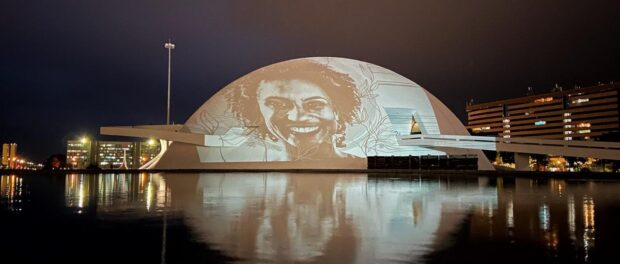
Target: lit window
x=566, y=114
x=585, y=131
x=480, y=128
x=580, y=100
x=568, y=126
x=567, y=120
x=506, y=131
x=506, y=120
x=506, y=136
x=568, y=132
x=583, y=125
x=540, y=123
x=568, y=138
x=543, y=100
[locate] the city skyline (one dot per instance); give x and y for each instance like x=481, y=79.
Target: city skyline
x=68, y=69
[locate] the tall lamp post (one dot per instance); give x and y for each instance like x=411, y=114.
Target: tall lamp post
x=168, y=45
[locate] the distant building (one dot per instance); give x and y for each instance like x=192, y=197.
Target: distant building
x=110, y=154
x=9, y=155
x=116, y=154
x=80, y=153
x=580, y=114
x=147, y=151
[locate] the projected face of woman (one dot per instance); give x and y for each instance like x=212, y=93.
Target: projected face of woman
x=297, y=111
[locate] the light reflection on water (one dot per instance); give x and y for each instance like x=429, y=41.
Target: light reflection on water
x=325, y=218
x=335, y=218
x=11, y=192
x=114, y=192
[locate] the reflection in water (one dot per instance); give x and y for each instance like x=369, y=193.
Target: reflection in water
x=325, y=218
x=572, y=227
x=11, y=192
x=588, y=224
x=544, y=217
x=110, y=192
x=342, y=218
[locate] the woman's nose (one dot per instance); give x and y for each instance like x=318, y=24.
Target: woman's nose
x=293, y=114
x=297, y=114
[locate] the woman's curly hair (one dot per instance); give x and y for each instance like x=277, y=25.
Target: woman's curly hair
x=339, y=87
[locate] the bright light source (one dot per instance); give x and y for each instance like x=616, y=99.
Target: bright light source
x=84, y=140
x=151, y=142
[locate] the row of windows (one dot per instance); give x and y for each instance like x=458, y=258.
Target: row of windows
x=583, y=131
x=506, y=108
x=537, y=123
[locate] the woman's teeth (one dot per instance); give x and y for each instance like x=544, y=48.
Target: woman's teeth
x=304, y=129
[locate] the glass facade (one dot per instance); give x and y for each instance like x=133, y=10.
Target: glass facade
x=148, y=150
x=110, y=154
x=79, y=154
x=115, y=154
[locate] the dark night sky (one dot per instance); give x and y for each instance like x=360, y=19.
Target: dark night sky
x=69, y=67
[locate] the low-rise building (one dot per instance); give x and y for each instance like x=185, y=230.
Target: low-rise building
x=110, y=154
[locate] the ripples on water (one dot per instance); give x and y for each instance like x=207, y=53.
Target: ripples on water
x=321, y=218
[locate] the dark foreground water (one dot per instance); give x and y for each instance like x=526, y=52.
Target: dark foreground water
x=315, y=218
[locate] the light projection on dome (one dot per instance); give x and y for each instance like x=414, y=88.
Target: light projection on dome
x=314, y=109
x=320, y=112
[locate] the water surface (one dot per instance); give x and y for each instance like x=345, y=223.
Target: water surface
x=309, y=218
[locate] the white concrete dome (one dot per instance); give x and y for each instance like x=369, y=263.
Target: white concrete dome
x=319, y=112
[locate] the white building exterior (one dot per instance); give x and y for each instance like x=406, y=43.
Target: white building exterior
x=309, y=113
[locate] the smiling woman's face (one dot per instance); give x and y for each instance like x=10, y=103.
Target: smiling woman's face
x=298, y=112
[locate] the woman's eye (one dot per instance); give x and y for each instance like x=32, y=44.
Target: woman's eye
x=315, y=106
x=276, y=104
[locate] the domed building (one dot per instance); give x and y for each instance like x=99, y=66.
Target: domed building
x=309, y=113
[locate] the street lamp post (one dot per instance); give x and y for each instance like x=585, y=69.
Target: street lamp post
x=168, y=45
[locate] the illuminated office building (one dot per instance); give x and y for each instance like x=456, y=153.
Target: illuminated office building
x=80, y=153
x=579, y=114
x=110, y=154
x=116, y=154
x=9, y=155
x=146, y=151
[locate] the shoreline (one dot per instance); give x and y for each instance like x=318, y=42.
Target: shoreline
x=374, y=173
